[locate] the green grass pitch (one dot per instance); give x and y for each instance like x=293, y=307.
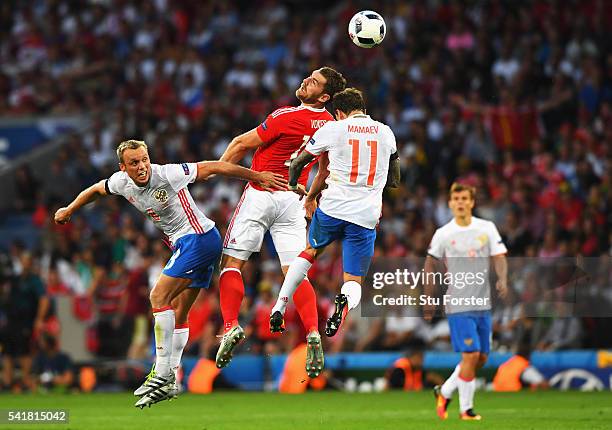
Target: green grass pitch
x=324, y=410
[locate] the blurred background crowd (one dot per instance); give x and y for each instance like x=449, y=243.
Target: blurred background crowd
x=513, y=97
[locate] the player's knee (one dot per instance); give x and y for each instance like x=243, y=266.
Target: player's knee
x=229, y=262
x=469, y=360
x=159, y=297
x=310, y=250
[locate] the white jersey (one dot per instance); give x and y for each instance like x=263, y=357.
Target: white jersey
x=359, y=150
x=466, y=252
x=165, y=199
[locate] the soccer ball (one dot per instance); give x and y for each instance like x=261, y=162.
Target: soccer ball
x=367, y=29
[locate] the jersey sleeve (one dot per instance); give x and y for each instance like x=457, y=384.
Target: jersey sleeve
x=496, y=244
x=179, y=175
x=322, y=139
x=271, y=128
x=115, y=184
x=436, y=249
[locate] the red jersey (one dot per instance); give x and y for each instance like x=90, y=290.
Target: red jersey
x=285, y=133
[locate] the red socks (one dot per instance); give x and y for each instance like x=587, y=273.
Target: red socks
x=306, y=304
x=231, y=292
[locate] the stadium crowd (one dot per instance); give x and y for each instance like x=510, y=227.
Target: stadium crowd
x=514, y=97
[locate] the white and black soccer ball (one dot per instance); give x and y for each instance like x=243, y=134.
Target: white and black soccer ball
x=367, y=29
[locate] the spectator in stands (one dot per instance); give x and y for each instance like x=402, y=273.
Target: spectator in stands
x=25, y=306
x=109, y=288
x=540, y=146
x=564, y=332
x=52, y=368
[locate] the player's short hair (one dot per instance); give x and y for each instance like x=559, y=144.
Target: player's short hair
x=457, y=188
x=129, y=144
x=349, y=100
x=335, y=81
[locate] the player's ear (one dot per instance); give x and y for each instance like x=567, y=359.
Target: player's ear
x=122, y=167
x=323, y=98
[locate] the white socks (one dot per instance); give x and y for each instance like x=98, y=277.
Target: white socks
x=179, y=340
x=295, y=275
x=164, y=331
x=352, y=291
x=466, y=394
x=450, y=385
x=466, y=389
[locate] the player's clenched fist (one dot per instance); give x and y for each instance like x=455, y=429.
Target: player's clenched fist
x=62, y=216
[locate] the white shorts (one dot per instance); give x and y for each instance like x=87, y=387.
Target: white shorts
x=280, y=212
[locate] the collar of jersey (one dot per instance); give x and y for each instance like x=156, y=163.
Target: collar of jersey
x=312, y=108
x=463, y=226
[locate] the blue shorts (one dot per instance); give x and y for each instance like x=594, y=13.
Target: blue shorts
x=195, y=257
x=357, y=241
x=471, y=331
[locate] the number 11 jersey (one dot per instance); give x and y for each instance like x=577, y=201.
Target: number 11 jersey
x=359, y=150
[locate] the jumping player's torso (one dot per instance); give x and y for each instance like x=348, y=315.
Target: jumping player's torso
x=165, y=200
x=285, y=133
x=359, y=149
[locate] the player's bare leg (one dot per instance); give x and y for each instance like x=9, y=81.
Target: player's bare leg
x=231, y=293
x=349, y=298
x=482, y=359
x=160, y=382
x=467, y=385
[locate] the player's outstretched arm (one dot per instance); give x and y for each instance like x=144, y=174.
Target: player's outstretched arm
x=394, y=175
x=88, y=195
x=296, y=167
x=240, y=145
x=267, y=180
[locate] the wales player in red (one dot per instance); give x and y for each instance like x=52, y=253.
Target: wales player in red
x=277, y=141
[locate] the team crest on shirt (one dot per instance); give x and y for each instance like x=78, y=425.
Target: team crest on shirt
x=469, y=341
x=483, y=239
x=161, y=195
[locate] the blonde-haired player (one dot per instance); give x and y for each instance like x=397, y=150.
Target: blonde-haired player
x=160, y=193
